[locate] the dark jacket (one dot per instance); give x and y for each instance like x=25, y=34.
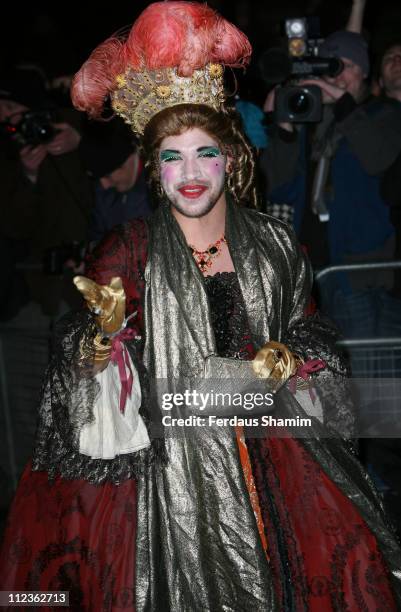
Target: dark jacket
x=52, y=212
x=368, y=139
x=113, y=208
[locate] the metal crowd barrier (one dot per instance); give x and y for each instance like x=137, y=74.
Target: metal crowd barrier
x=24, y=354
x=363, y=267
x=375, y=359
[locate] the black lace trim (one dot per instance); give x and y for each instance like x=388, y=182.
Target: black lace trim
x=68, y=396
x=228, y=314
x=315, y=337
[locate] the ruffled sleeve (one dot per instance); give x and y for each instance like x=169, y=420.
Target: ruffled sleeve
x=123, y=253
x=77, y=406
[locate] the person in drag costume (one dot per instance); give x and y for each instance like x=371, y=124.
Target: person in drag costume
x=212, y=519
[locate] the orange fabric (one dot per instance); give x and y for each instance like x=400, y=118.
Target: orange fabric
x=250, y=484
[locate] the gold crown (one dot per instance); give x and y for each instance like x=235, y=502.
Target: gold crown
x=141, y=95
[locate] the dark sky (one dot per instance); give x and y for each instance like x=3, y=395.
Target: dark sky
x=36, y=32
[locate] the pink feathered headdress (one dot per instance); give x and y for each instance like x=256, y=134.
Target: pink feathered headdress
x=182, y=35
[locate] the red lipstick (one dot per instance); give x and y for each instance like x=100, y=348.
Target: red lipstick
x=192, y=191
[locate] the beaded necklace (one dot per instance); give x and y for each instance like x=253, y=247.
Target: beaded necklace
x=204, y=259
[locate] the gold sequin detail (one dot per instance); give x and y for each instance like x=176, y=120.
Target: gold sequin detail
x=215, y=71
x=121, y=80
x=141, y=95
x=163, y=91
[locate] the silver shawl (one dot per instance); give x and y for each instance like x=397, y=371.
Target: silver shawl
x=198, y=547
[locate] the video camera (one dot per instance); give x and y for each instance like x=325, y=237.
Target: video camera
x=34, y=128
x=294, y=103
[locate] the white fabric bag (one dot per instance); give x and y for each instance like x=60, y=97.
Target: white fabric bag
x=113, y=433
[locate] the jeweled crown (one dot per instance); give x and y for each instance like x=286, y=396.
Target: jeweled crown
x=141, y=95
x=175, y=53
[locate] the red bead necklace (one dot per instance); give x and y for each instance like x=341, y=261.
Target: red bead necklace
x=204, y=259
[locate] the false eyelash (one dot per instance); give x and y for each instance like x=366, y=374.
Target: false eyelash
x=171, y=158
x=209, y=154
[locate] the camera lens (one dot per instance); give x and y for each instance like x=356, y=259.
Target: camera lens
x=299, y=103
x=36, y=128
x=45, y=133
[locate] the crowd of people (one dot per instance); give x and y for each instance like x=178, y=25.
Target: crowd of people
x=69, y=181
x=339, y=177
x=135, y=220
x=65, y=183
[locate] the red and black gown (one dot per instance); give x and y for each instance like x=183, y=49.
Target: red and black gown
x=73, y=521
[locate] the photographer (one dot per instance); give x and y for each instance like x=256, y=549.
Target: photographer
x=45, y=193
x=330, y=173
x=110, y=154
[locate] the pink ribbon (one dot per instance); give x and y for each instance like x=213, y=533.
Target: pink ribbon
x=304, y=371
x=120, y=356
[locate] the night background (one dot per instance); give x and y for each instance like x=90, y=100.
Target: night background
x=59, y=36
x=47, y=211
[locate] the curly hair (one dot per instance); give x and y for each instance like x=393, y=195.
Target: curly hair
x=224, y=127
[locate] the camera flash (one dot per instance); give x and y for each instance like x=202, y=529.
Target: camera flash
x=295, y=28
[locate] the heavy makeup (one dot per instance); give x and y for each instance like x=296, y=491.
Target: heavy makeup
x=192, y=172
